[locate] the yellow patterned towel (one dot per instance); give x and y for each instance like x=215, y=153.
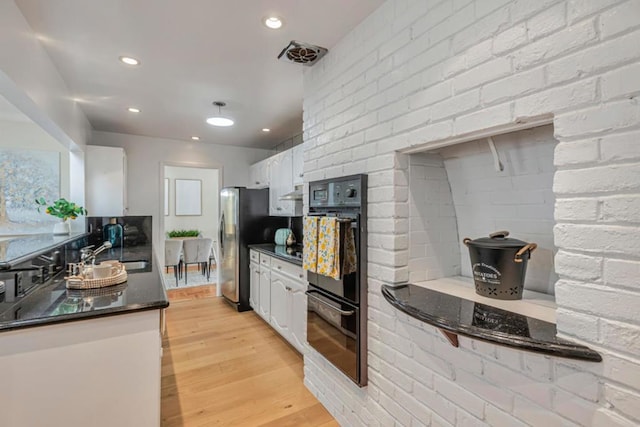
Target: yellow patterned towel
x=329, y=247
x=310, y=241
x=350, y=256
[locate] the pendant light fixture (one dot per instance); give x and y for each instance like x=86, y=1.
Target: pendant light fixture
x=219, y=120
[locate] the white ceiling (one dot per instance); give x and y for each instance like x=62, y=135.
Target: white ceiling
x=192, y=52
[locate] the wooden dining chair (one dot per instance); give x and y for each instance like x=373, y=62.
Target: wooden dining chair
x=197, y=251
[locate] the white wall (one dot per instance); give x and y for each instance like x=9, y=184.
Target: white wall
x=145, y=159
x=31, y=82
x=207, y=223
x=428, y=73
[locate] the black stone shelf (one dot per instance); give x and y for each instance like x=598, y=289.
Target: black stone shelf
x=454, y=315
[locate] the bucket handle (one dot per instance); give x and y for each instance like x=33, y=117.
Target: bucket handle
x=466, y=241
x=529, y=247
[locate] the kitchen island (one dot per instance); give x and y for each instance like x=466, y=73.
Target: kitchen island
x=81, y=357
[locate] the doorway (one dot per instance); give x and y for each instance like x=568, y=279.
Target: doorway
x=189, y=204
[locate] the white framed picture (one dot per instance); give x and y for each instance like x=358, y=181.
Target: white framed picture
x=188, y=197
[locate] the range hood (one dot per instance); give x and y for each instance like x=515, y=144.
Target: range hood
x=294, y=195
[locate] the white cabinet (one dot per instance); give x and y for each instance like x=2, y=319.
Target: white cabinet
x=106, y=181
x=277, y=173
x=282, y=301
x=264, y=304
x=298, y=164
x=279, y=303
x=254, y=293
x=281, y=173
x=281, y=183
x=259, y=174
x=298, y=315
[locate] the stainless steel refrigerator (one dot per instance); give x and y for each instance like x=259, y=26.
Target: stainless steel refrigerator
x=244, y=220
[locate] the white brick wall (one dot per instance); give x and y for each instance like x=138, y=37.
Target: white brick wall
x=433, y=231
x=421, y=71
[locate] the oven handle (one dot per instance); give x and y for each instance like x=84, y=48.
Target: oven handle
x=342, y=312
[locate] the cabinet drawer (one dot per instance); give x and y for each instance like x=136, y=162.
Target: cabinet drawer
x=288, y=269
x=254, y=256
x=265, y=260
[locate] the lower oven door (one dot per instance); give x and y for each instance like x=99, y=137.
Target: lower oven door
x=333, y=330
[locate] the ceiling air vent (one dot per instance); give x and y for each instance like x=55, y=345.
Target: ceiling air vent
x=302, y=53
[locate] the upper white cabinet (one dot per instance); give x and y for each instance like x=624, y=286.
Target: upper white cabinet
x=105, y=181
x=281, y=183
x=298, y=164
x=281, y=173
x=259, y=174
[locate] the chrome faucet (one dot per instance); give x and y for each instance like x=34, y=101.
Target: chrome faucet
x=87, y=254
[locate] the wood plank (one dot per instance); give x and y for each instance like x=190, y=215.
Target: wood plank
x=193, y=292
x=224, y=368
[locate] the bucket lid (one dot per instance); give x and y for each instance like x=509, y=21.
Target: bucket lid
x=497, y=240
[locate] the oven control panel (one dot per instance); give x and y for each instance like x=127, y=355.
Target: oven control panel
x=336, y=192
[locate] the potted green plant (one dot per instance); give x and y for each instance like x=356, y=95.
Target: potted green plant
x=63, y=209
x=182, y=233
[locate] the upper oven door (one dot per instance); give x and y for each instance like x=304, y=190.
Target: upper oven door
x=348, y=286
x=333, y=330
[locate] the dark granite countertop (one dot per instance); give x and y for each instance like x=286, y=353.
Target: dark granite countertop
x=280, y=252
x=484, y=322
x=16, y=250
x=52, y=302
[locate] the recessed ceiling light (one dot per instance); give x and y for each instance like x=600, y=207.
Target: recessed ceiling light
x=133, y=110
x=195, y=138
x=266, y=130
x=272, y=22
x=129, y=60
x=219, y=120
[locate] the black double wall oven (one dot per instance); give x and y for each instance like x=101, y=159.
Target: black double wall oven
x=337, y=309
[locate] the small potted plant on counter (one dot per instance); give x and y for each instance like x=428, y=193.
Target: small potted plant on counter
x=63, y=209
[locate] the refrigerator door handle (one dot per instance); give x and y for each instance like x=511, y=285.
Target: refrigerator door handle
x=221, y=233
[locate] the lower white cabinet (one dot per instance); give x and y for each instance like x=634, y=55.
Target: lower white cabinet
x=264, y=303
x=279, y=303
x=280, y=299
x=298, y=316
x=254, y=294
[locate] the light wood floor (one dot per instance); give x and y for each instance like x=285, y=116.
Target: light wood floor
x=224, y=368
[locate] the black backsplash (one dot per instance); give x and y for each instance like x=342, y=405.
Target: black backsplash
x=137, y=229
x=296, y=227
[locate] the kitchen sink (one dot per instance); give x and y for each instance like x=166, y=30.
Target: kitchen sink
x=135, y=265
